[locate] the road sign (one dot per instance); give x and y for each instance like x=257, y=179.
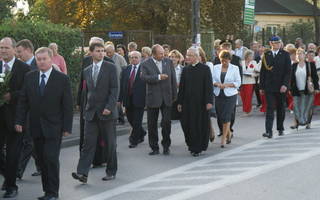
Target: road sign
x=249, y=12
x=115, y=35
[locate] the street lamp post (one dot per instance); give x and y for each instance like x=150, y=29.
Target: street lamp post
x=196, y=39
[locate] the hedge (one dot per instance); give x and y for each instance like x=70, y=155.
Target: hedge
x=41, y=33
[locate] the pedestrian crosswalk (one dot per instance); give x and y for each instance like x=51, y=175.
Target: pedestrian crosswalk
x=217, y=171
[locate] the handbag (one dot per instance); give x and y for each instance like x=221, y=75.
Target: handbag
x=310, y=85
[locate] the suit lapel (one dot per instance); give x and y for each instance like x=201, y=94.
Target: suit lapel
x=36, y=83
x=90, y=79
x=50, y=82
x=164, y=67
x=101, y=72
x=154, y=65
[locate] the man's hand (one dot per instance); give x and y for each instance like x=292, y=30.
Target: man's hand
x=65, y=134
x=163, y=76
x=106, y=112
x=262, y=92
x=209, y=106
x=18, y=128
x=283, y=89
x=7, y=97
x=179, y=107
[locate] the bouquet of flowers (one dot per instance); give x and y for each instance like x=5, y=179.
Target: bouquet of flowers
x=4, y=86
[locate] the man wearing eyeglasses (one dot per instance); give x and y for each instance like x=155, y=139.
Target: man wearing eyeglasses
x=274, y=81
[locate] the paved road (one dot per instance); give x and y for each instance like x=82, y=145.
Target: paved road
x=250, y=168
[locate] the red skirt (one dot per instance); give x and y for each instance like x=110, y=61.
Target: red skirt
x=246, y=93
x=263, y=107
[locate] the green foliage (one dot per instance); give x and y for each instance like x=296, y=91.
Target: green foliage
x=41, y=33
x=305, y=30
x=5, y=9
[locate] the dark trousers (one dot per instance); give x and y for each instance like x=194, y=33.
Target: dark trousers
x=2, y=153
x=27, y=152
x=257, y=91
x=121, y=114
x=152, y=116
x=13, y=151
x=135, y=117
x=107, y=129
x=233, y=117
x=48, y=152
x=275, y=101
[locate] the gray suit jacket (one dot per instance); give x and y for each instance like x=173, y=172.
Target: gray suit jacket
x=159, y=91
x=104, y=95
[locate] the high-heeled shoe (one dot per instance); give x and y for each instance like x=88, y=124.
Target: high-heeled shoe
x=308, y=126
x=294, y=126
x=222, y=146
x=212, y=137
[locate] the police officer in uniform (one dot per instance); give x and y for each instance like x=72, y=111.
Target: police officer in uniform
x=274, y=82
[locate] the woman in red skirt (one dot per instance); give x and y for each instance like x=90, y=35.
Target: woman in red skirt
x=248, y=81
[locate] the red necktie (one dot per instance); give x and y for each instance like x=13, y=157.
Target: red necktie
x=131, y=79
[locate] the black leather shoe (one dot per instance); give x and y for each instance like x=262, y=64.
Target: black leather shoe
x=132, y=146
x=41, y=198
x=80, y=177
x=36, y=174
x=166, y=151
x=49, y=198
x=109, y=177
x=267, y=135
x=154, y=152
x=220, y=134
x=10, y=194
x=194, y=154
x=281, y=133
x=141, y=140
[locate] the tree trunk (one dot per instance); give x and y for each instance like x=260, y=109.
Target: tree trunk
x=316, y=21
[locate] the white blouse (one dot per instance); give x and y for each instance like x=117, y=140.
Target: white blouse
x=249, y=72
x=301, y=77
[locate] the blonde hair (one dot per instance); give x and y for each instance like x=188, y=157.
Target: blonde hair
x=146, y=50
x=176, y=53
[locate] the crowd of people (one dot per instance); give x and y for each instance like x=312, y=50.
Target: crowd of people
x=118, y=81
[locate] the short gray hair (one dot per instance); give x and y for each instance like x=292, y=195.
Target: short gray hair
x=96, y=40
x=146, y=50
x=13, y=42
x=248, y=53
x=195, y=50
x=44, y=50
x=134, y=52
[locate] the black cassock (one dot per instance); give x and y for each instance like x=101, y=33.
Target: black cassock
x=195, y=92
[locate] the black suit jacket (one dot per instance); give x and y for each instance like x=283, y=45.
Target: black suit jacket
x=51, y=114
x=19, y=69
x=314, y=76
x=138, y=89
x=85, y=63
x=279, y=75
x=33, y=65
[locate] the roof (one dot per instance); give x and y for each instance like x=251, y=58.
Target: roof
x=284, y=7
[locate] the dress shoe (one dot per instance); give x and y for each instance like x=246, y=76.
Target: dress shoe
x=220, y=134
x=308, y=126
x=194, y=154
x=166, y=151
x=49, y=198
x=10, y=194
x=132, y=146
x=154, y=152
x=268, y=135
x=141, y=140
x=109, y=177
x=36, y=174
x=281, y=133
x=80, y=177
x=41, y=198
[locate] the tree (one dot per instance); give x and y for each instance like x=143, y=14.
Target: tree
x=316, y=20
x=5, y=9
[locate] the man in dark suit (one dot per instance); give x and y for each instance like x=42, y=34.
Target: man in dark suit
x=99, y=157
x=132, y=96
x=25, y=53
x=159, y=74
x=16, y=69
x=47, y=96
x=100, y=113
x=235, y=60
x=274, y=82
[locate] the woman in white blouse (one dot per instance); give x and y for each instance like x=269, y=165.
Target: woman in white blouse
x=303, y=100
x=177, y=59
x=226, y=82
x=249, y=65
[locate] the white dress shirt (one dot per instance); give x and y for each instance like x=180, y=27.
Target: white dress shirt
x=96, y=64
x=158, y=64
x=47, y=73
x=178, y=70
x=30, y=61
x=10, y=64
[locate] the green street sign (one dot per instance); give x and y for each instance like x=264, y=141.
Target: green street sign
x=249, y=12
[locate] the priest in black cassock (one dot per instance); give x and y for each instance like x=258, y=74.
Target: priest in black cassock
x=195, y=101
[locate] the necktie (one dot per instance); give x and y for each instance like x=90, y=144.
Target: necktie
x=131, y=79
x=95, y=74
x=42, y=84
x=6, y=68
x=274, y=54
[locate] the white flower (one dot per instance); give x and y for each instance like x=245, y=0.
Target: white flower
x=1, y=80
x=2, y=75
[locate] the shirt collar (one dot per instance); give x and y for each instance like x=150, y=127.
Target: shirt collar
x=98, y=63
x=10, y=63
x=47, y=73
x=156, y=61
x=275, y=52
x=193, y=65
x=30, y=60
